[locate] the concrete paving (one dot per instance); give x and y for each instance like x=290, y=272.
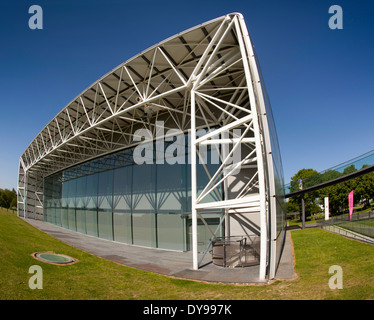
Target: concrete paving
x=171, y=263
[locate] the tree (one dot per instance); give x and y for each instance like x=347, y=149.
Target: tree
x=2, y=200
x=364, y=188
x=8, y=198
x=292, y=206
x=309, y=177
x=349, y=169
x=13, y=203
x=332, y=192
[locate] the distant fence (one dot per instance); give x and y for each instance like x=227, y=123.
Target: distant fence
x=361, y=224
x=12, y=210
x=356, y=216
x=365, y=227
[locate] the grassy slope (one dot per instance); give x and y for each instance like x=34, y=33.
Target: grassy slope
x=96, y=278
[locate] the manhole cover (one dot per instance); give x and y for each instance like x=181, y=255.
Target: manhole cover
x=54, y=258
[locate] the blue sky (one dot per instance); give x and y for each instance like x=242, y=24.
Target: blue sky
x=320, y=81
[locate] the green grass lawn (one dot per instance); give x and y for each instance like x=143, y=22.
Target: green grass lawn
x=96, y=278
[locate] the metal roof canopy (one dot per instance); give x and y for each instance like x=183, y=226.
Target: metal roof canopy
x=203, y=77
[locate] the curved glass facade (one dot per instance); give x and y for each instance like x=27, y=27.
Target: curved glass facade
x=115, y=198
x=277, y=169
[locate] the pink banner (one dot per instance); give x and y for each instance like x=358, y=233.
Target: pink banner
x=350, y=203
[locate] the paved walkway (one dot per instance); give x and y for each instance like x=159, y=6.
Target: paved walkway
x=166, y=262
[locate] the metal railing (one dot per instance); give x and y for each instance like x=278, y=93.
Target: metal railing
x=350, y=168
x=360, y=227
x=236, y=251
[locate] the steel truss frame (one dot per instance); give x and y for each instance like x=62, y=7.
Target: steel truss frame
x=204, y=77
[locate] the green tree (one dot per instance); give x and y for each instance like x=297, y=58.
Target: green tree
x=292, y=206
x=329, y=175
x=349, y=169
x=309, y=177
x=2, y=199
x=13, y=204
x=364, y=188
x=8, y=198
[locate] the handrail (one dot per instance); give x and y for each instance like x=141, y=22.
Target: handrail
x=348, y=176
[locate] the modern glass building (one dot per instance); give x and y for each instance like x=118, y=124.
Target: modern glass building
x=114, y=198
x=174, y=149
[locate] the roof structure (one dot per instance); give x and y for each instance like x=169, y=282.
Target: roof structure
x=153, y=83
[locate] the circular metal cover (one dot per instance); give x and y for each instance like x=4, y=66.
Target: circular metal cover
x=54, y=258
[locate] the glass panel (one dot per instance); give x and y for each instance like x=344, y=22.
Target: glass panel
x=171, y=203
x=171, y=188
x=203, y=177
x=105, y=220
x=171, y=231
x=144, y=204
x=81, y=220
x=91, y=205
x=203, y=233
x=144, y=229
x=105, y=205
x=72, y=204
x=56, y=196
x=122, y=185
x=122, y=227
x=144, y=189
x=64, y=218
x=91, y=222
x=278, y=179
x=208, y=161
x=64, y=204
x=72, y=219
x=80, y=202
x=47, y=190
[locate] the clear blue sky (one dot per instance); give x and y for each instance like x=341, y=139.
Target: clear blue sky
x=320, y=81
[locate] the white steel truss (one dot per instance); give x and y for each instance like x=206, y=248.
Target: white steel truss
x=205, y=77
